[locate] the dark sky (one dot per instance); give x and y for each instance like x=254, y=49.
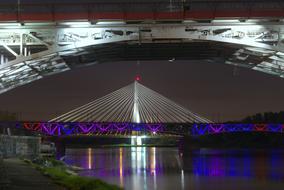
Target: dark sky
x=210, y=89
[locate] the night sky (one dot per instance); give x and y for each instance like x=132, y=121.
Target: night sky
x=217, y=91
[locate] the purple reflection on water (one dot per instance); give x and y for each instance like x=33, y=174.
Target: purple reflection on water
x=164, y=168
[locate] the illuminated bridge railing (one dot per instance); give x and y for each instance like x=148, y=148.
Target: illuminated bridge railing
x=75, y=128
x=207, y=129
x=91, y=128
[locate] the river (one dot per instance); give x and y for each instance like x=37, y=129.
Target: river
x=141, y=168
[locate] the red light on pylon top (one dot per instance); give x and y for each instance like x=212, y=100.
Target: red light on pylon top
x=137, y=78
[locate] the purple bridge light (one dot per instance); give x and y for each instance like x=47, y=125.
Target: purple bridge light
x=205, y=129
x=92, y=128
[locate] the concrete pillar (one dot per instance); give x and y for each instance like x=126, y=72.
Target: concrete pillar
x=2, y=59
x=9, y=132
x=60, y=149
x=136, y=140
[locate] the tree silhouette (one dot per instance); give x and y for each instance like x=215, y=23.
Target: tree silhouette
x=8, y=116
x=267, y=117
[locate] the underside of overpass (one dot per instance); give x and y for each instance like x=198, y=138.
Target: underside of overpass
x=38, y=40
x=153, y=51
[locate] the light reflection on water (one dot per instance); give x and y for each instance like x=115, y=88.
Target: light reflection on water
x=142, y=168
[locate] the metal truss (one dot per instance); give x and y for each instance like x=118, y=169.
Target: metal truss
x=134, y=129
x=207, y=129
x=30, y=52
x=90, y=128
x=258, y=46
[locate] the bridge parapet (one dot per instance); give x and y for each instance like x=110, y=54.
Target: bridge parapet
x=208, y=129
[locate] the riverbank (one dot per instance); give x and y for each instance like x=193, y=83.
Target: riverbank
x=3, y=177
x=18, y=175
x=67, y=177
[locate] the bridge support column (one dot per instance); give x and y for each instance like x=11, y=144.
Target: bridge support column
x=9, y=132
x=136, y=140
x=60, y=149
x=187, y=144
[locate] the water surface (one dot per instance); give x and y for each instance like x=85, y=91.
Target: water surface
x=141, y=168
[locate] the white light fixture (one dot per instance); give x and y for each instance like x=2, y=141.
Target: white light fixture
x=172, y=59
x=110, y=22
x=226, y=21
x=76, y=24
x=189, y=21
x=10, y=24
x=40, y=23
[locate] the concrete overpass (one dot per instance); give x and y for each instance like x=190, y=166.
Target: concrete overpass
x=41, y=39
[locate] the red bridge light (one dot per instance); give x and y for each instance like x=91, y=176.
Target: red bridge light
x=137, y=78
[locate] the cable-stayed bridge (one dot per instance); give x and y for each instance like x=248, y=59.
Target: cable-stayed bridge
x=136, y=110
x=42, y=39
x=133, y=103
x=131, y=110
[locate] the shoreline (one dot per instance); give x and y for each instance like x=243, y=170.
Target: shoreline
x=67, y=176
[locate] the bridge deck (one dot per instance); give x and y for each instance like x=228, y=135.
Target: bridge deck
x=132, y=129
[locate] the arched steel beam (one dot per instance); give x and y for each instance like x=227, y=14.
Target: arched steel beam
x=30, y=52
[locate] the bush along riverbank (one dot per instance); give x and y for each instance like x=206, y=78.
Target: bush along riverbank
x=67, y=177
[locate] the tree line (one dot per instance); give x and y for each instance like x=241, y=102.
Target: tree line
x=8, y=116
x=267, y=117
